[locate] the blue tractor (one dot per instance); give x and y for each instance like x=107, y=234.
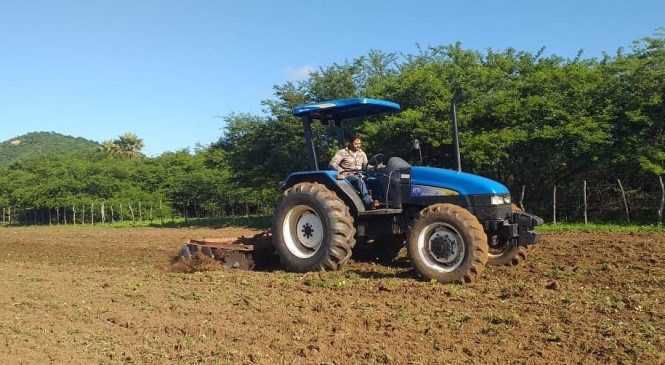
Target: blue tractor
x=452, y=223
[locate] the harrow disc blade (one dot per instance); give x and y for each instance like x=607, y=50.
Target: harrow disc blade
x=239, y=260
x=185, y=253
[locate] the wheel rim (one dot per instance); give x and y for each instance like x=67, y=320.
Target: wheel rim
x=303, y=231
x=441, y=247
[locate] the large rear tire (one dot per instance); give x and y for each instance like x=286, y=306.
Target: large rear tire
x=313, y=229
x=447, y=243
x=502, y=252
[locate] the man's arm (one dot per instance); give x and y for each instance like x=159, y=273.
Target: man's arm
x=364, y=160
x=334, y=163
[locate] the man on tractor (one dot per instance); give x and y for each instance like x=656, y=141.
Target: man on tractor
x=350, y=162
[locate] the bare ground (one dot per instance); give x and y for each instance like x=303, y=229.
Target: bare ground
x=95, y=295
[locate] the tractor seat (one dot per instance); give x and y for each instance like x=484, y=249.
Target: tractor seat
x=393, y=170
x=395, y=163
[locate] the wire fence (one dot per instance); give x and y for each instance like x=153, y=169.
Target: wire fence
x=578, y=202
x=139, y=213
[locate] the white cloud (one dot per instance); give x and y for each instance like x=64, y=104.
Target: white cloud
x=299, y=73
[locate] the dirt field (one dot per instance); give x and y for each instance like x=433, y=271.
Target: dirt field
x=92, y=295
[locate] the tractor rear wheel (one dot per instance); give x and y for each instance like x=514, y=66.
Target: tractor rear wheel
x=447, y=244
x=312, y=229
x=502, y=252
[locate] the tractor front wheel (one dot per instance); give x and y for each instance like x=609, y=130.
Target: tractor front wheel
x=502, y=252
x=447, y=244
x=313, y=229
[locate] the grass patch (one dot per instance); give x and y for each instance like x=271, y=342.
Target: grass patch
x=599, y=227
x=327, y=281
x=257, y=222
x=559, y=272
x=507, y=319
x=403, y=317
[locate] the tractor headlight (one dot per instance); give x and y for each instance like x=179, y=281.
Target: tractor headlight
x=499, y=199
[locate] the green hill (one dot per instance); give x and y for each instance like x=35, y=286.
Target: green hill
x=37, y=143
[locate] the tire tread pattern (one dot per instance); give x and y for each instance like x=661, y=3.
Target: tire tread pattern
x=475, y=230
x=343, y=229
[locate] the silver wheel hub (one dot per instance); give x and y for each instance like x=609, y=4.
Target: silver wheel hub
x=441, y=247
x=310, y=230
x=303, y=232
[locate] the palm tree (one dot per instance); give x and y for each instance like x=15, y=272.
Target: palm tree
x=130, y=145
x=109, y=147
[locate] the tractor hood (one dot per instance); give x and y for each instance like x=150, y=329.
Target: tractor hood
x=460, y=182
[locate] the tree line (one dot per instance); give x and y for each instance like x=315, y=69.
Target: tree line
x=529, y=120
x=109, y=186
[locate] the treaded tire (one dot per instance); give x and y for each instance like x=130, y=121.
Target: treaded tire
x=313, y=229
x=455, y=224
x=509, y=256
x=512, y=256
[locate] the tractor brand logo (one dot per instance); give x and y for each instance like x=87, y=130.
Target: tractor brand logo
x=423, y=190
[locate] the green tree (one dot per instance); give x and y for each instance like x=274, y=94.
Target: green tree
x=130, y=145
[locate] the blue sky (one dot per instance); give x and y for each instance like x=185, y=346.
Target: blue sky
x=165, y=69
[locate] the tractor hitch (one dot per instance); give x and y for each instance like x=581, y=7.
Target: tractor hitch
x=526, y=223
x=519, y=229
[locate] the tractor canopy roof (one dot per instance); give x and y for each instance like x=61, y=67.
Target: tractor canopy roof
x=345, y=108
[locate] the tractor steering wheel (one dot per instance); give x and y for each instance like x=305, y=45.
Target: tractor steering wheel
x=376, y=160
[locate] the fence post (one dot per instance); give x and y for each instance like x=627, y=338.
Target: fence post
x=625, y=202
x=131, y=210
x=554, y=205
x=662, y=200
x=586, y=222
x=92, y=213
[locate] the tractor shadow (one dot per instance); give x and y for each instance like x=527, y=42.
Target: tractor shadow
x=383, y=269
x=366, y=268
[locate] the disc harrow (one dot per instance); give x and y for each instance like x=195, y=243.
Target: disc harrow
x=242, y=253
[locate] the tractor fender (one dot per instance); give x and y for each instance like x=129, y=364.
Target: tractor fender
x=342, y=188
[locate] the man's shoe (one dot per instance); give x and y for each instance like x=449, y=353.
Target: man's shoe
x=373, y=205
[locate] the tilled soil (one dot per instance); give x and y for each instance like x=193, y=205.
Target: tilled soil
x=96, y=295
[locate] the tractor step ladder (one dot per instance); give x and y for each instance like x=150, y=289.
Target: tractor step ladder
x=380, y=211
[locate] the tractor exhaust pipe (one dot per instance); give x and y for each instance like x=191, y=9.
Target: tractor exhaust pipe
x=453, y=108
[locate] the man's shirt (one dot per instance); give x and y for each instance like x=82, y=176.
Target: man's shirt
x=345, y=160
